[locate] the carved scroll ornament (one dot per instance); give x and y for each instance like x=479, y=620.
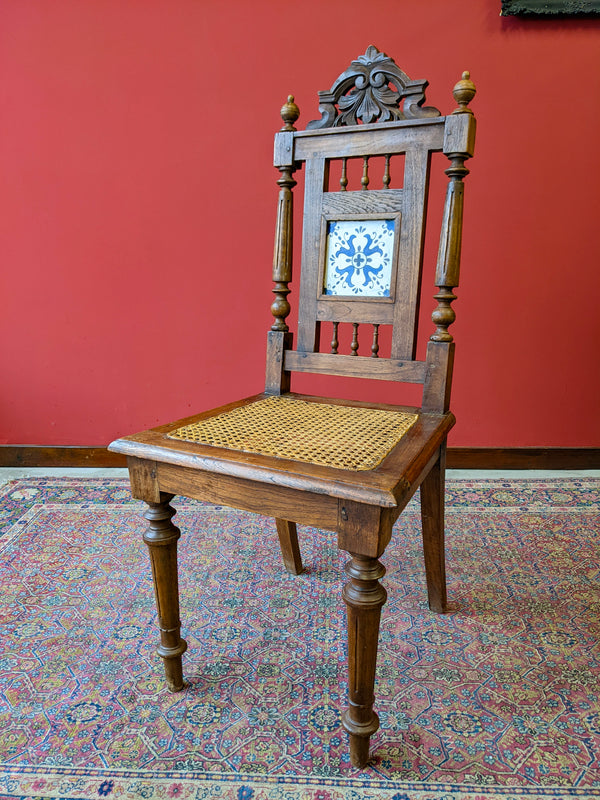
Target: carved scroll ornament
x=370, y=90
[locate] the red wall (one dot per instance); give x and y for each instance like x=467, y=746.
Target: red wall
x=138, y=203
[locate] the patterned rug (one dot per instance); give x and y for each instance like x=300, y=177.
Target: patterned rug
x=499, y=700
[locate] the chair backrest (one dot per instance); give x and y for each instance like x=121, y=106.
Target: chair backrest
x=362, y=247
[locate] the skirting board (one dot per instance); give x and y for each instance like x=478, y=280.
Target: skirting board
x=16, y=455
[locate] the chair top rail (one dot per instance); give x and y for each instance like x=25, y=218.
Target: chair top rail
x=373, y=140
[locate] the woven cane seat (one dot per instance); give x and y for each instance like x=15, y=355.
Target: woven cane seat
x=346, y=437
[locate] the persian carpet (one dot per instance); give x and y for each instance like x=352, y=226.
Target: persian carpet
x=496, y=701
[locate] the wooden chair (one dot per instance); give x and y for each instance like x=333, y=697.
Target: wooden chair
x=343, y=466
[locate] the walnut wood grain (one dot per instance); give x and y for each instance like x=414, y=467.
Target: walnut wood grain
x=438, y=380
x=274, y=501
x=376, y=140
x=364, y=529
x=406, y=309
x=384, y=369
x=143, y=479
x=315, y=181
x=379, y=201
x=380, y=311
x=277, y=378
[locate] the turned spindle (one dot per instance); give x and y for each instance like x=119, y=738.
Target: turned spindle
x=344, y=178
x=282, y=256
x=375, y=345
x=448, y=264
x=364, y=181
x=386, y=175
x=354, y=345
x=334, y=341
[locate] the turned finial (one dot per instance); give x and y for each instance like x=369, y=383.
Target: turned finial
x=464, y=92
x=289, y=114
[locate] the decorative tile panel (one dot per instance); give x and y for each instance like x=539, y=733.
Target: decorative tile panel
x=359, y=257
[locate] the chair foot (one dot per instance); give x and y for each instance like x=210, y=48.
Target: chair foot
x=290, y=549
x=173, y=665
x=432, y=513
x=161, y=538
x=360, y=737
x=448, y=608
x=359, y=749
x=364, y=596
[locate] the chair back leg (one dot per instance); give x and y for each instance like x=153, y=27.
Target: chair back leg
x=290, y=549
x=432, y=513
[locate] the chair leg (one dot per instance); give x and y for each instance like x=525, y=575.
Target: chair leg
x=161, y=538
x=432, y=513
x=364, y=596
x=290, y=549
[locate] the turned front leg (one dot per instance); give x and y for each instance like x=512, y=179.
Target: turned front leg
x=161, y=538
x=364, y=596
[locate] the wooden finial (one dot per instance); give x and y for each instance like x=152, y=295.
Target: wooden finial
x=464, y=92
x=289, y=114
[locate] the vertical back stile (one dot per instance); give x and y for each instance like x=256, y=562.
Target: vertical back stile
x=415, y=188
x=315, y=180
x=279, y=339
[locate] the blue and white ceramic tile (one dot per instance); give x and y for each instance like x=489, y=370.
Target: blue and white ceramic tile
x=359, y=257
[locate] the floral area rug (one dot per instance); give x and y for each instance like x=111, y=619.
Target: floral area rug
x=498, y=700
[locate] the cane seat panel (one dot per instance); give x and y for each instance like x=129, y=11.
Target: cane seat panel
x=346, y=437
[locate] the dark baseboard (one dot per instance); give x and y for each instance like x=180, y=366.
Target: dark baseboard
x=523, y=458
x=27, y=455
x=24, y=455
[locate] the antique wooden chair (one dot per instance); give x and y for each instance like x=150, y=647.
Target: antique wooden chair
x=348, y=467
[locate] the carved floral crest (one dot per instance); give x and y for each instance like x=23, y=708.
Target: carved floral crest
x=371, y=90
